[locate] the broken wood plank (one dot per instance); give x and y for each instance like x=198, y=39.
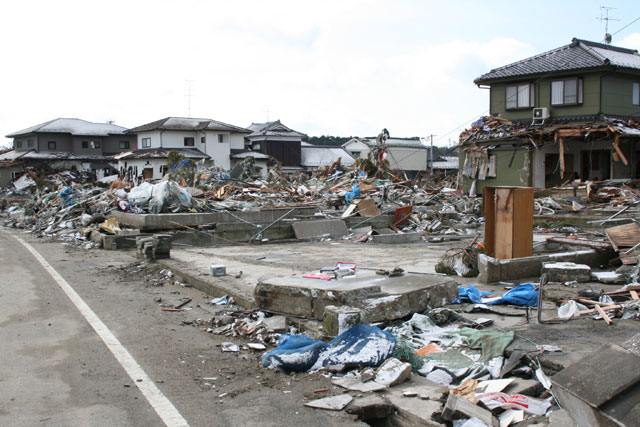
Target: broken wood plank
x=182, y=304
x=593, y=244
x=604, y=315
x=616, y=145
x=172, y=309
x=605, y=308
x=624, y=291
x=623, y=236
x=634, y=295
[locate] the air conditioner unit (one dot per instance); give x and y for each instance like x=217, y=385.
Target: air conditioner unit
x=540, y=113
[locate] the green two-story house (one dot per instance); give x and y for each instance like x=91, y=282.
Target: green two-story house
x=567, y=114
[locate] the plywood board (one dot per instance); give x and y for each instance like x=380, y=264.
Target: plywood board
x=623, y=236
x=504, y=223
x=523, y=222
x=489, y=207
x=367, y=207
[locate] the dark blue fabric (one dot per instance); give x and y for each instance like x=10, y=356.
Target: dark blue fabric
x=295, y=353
x=355, y=192
x=470, y=294
x=361, y=345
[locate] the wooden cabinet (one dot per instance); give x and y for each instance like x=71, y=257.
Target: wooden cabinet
x=508, y=219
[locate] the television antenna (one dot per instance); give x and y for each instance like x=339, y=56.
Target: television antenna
x=188, y=95
x=606, y=19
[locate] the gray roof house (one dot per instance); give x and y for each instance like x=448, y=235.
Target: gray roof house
x=320, y=156
x=195, y=138
x=278, y=141
x=406, y=154
x=67, y=142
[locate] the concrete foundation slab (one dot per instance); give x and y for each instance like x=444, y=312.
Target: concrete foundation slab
x=378, y=297
x=321, y=228
x=396, y=238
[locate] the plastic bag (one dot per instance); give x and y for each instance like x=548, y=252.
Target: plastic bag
x=167, y=193
x=140, y=195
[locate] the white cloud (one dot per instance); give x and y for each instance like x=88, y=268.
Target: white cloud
x=332, y=67
x=632, y=41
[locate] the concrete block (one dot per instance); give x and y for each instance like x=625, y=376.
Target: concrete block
x=393, y=372
x=567, y=271
x=531, y=388
x=413, y=411
x=320, y=228
x=459, y=407
x=284, y=299
x=397, y=238
x=519, y=268
x=339, y=319
x=489, y=269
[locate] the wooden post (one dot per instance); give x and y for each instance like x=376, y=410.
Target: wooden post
x=561, y=141
x=616, y=145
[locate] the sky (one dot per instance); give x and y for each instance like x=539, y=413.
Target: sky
x=344, y=68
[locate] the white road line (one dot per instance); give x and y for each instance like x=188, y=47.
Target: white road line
x=158, y=401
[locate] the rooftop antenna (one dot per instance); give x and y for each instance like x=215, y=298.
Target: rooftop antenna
x=606, y=19
x=187, y=94
x=266, y=109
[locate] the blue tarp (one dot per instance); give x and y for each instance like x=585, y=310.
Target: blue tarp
x=355, y=192
x=523, y=295
x=294, y=353
x=361, y=345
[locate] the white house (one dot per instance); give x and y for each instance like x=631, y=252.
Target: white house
x=213, y=138
x=151, y=163
x=407, y=154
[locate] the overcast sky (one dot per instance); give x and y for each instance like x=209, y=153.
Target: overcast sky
x=345, y=67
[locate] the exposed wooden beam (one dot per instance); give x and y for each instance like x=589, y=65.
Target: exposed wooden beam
x=616, y=145
x=561, y=149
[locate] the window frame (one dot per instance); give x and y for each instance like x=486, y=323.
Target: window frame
x=635, y=93
x=146, y=142
x=85, y=144
x=203, y=140
x=532, y=100
x=18, y=144
x=124, y=145
x=30, y=143
x=51, y=145
x=95, y=144
x=220, y=138
x=191, y=140
x=579, y=91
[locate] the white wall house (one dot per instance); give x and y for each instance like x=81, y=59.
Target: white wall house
x=407, y=154
x=215, y=139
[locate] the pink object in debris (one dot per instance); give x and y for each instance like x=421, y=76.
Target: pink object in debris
x=317, y=276
x=346, y=265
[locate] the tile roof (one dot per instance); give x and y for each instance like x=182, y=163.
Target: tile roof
x=578, y=55
x=189, y=124
x=72, y=126
x=161, y=153
x=273, y=129
x=50, y=155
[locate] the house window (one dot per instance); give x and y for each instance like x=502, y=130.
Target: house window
x=15, y=175
x=95, y=144
x=220, y=138
x=51, y=145
x=636, y=93
x=519, y=96
x=146, y=142
x=85, y=144
x=189, y=141
x=203, y=140
x=566, y=91
x=30, y=143
x=124, y=144
x=355, y=154
x=18, y=144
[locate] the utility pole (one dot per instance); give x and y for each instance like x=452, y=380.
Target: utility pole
x=431, y=156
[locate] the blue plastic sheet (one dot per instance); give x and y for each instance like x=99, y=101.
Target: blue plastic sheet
x=355, y=192
x=361, y=345
x=295, y=353
x=523, y=295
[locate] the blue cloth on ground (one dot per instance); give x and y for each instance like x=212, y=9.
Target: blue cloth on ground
x=361, y=345
x=523, y=295
x=294, y=353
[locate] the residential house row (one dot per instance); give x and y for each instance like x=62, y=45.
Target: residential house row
x=142, y=152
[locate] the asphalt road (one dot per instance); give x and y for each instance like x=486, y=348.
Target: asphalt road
x=55, y=370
